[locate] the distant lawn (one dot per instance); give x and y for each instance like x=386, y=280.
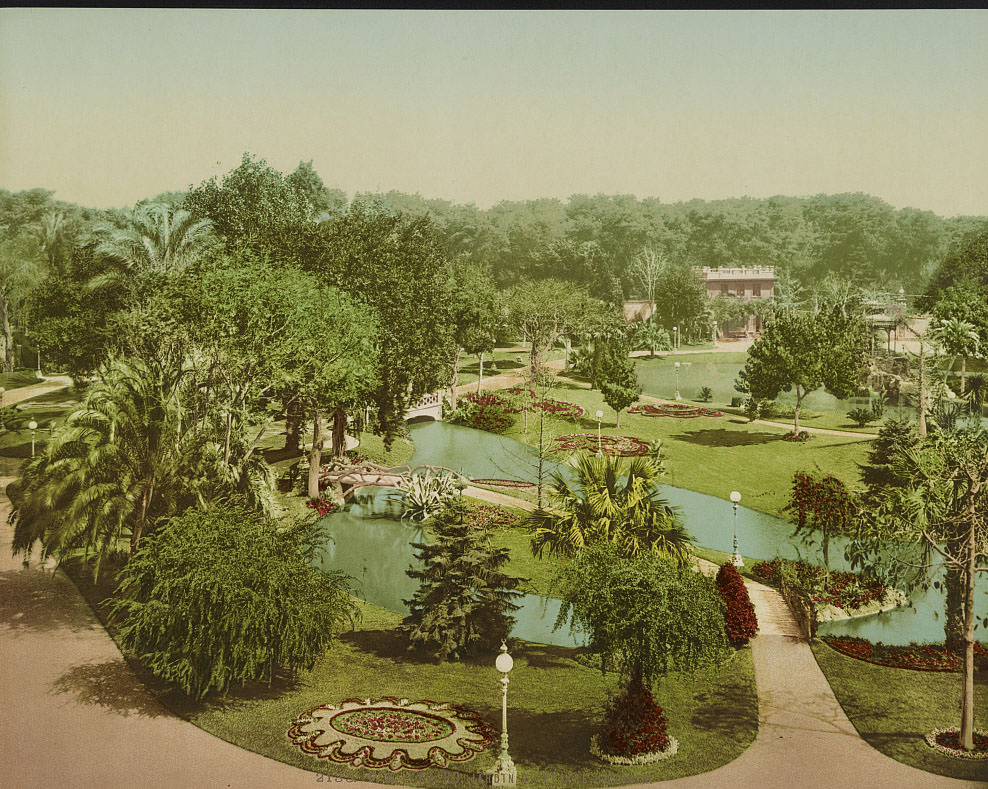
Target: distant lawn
x=555, y=705
x=715, y=454
x=893, y=709
x=19, y=379
x=506, y=361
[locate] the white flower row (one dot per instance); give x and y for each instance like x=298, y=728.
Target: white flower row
x=931, y=740
x=641, y=758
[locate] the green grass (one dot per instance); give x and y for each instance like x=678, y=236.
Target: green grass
x=893, y=709
x=506, y=360
x=555, y=704
x=717, y=454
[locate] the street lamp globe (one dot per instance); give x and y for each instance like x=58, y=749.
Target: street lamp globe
x=32, y=425
x=504, y=662
x=735, y=496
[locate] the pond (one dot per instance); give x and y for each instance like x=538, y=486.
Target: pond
x=370, y=543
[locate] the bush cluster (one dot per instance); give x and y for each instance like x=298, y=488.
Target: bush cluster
x=483, y=411
x=843, y=590
x=742, y=625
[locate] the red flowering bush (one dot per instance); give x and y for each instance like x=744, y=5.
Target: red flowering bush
x=742, y=625
x=550, y=405
x=484, y=411
x=635, y=724
x=846, y=591
x=322, y=506
x=922, y=657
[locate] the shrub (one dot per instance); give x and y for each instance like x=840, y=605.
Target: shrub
x=742, y=625
x=464, y=600
x=484, y=411
x=801, y=437
x=423, y=495
x=634, y=724
x=705, y=395
x=222, y=596
x=861, y=416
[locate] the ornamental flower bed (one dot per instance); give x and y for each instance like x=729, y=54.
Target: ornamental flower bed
x=502, y=483
x=800, y=437
x=615, y=446
x=488, y=516
x=678, y=410
x=948, y=742
x=550, y=405
x=846, y=591
x=922, y=657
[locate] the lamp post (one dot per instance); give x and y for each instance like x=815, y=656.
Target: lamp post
x=715, y=332
x=675, y=337
x=600, y=415
x=504, y=773
x=678, y=396
x=736, y=559
x=32, y=426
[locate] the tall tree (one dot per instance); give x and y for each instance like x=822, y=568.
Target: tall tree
x=544, y=312
x=476, y=315
x=803, y=352
x=958, y=338
x=398, y=267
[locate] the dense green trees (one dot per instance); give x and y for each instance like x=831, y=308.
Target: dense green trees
x=803, y=352
x=222, y=596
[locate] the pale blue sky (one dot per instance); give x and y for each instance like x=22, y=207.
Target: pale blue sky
x=111, y=106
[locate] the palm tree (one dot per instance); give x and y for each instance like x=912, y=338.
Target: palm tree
x=977, y=393
x=156, y=241
x=126, y=458
x=611, y=504
x=959, y=338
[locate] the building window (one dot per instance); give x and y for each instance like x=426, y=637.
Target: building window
x=756, y=290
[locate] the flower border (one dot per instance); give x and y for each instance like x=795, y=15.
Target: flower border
x=931, y=740
x=678, y=410
x=399, y=758
x=641, y=758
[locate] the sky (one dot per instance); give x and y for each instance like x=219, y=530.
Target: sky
x=108, y=107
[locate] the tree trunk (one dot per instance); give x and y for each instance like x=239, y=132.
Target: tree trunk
x=480, y=380
x=921, y=406
x=339, y=432
x=137, y=530
x=315, y=457
x=293, y=424
x=963, y=372
x=456, y=377
x=967, y=708
x=618, y=424
x=953, y=623
x=6, y=341
x=569, y=350
x=795, y=413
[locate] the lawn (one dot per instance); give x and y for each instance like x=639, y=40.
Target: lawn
x=19, y=379
x=715, y=455
x=893, y=709
x=506, y=360
x=555, y=704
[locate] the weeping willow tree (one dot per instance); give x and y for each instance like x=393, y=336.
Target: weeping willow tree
x=136, y=450
x=222, y=596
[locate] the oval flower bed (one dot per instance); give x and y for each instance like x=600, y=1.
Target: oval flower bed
x=948, y=742
x=923, y=657
x=489, y=516
x=679, y=410
x=615, y=446
x=502, y=483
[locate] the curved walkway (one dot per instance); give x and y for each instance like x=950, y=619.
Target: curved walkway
x=75, y=715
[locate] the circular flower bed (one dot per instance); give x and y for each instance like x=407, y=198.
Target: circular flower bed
x=925, y=657
x=365, y=733
x=948, y=742
x=800, y=437
x=679, y=410
x=616, y=446
x=639, y=758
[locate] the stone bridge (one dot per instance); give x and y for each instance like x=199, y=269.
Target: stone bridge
x=431, y=405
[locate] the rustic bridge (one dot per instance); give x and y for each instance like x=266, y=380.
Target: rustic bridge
x=349, y=477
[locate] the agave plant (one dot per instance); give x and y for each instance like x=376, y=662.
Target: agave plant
x=423, y=495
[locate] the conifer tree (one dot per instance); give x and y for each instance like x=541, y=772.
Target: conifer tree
x=464, y=600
